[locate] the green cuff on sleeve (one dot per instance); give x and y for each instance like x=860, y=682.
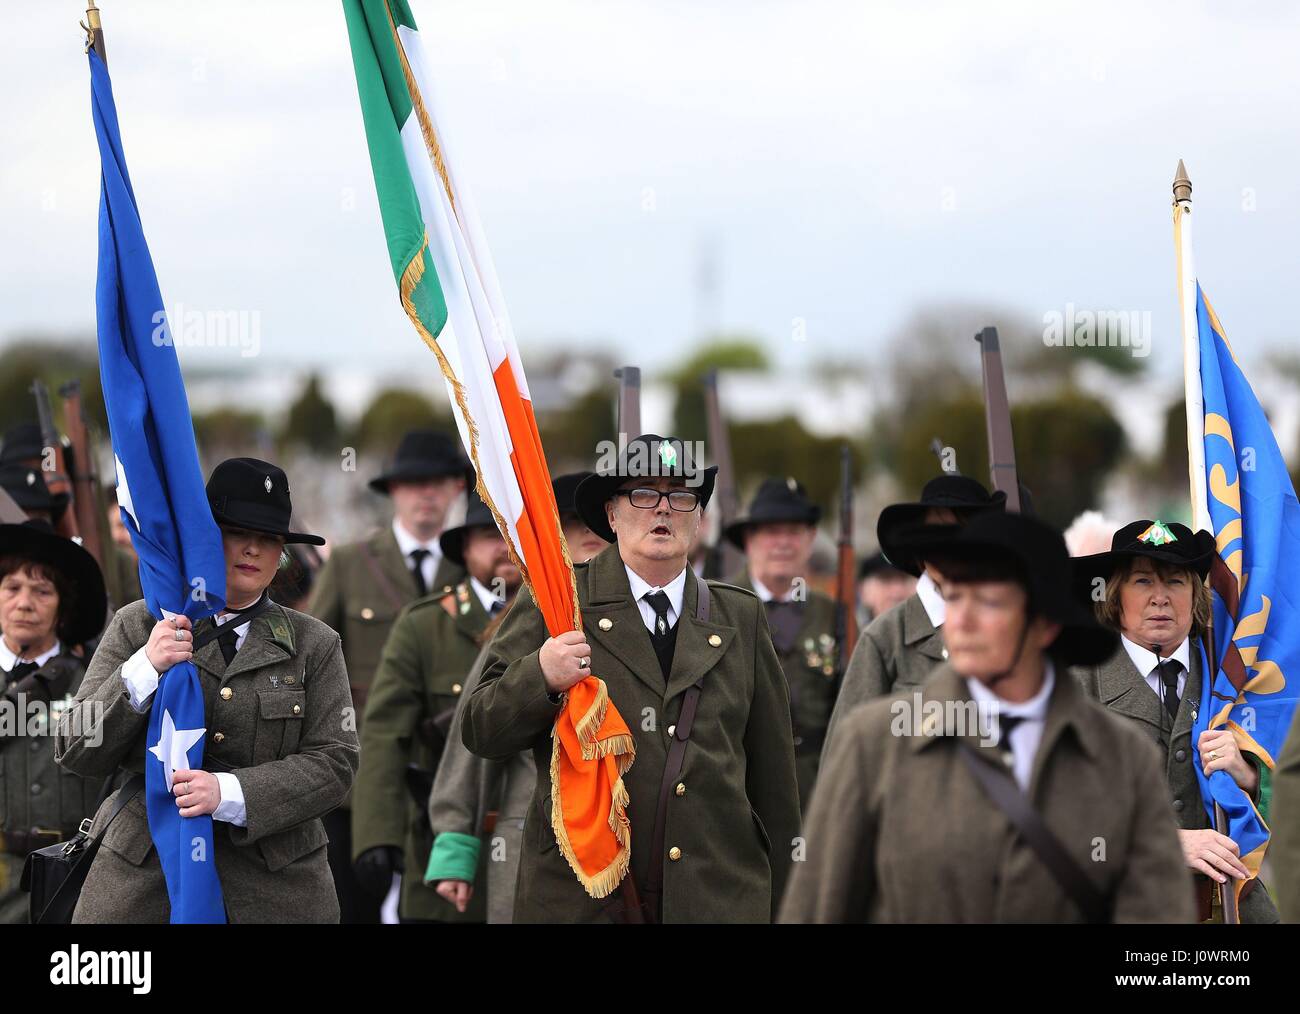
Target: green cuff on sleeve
x=454, y=857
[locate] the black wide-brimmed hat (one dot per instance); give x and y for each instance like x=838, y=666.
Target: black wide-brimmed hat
x=425, y=454
x=564, y=487
x=254, y=495
x=778, y=501
x=648, y=456
x=27, y=487
x=477, y=515
x=959, y=493
x=878, y=563
x=84, y=617
x=1167, y=543
x=21, y=442
x=1039, y=555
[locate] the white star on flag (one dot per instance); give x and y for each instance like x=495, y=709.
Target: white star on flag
x=124, y=491
x=173, y=747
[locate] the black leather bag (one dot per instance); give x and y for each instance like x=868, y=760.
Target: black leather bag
x=55, y=874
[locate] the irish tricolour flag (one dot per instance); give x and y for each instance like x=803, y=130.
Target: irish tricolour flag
x=449, y=290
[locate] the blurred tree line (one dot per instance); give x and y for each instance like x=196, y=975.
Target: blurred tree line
x=926, y=380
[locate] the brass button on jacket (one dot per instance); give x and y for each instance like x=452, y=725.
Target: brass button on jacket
x=681, y=789
x=218, y=737
x=227, y=693
x=674, y=853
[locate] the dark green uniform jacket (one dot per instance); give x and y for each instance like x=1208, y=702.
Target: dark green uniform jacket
x=278, y=718
x=361, y=607
x=41, y=804
x=1284, y=850
x=735, y=812
x=899, y=650
x=408, y=715
x=808, y=657
x=901, y=831
x=1118, y=685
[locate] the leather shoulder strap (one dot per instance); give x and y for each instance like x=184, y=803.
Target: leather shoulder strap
x=673, y=768
x=238, y=620
x=702, y=600
x=1015, y=806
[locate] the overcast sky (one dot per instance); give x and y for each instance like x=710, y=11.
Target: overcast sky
x=845, y=162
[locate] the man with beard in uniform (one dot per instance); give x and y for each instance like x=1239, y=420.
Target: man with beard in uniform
x=408, y=716
x=364, y=585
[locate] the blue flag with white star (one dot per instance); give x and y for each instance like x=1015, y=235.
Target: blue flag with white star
x=163, y=505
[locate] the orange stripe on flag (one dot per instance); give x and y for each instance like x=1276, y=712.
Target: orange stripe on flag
x=591, y=747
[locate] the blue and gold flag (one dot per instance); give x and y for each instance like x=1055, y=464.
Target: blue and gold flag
x=1256, y=631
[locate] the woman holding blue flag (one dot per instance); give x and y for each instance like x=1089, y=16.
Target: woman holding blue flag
x=281, y=748
x=1151, y=588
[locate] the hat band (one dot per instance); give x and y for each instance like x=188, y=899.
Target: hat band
x=254, y=515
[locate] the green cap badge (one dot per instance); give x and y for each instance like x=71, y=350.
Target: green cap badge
x=667, y=454
x=1157, y=535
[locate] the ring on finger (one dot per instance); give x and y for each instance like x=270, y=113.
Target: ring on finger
x=584, y=663
x=179, y=634
x=1214, y=755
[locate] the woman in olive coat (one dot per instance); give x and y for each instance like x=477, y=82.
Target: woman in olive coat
x=1151, y=588
x=281, y=743
x=905, y=825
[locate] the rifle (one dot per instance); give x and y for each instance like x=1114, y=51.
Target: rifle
x=629, y=403
x=85, y=482
x=997, y=417
x=846, y=583
x=56, y=480
x=724, y=560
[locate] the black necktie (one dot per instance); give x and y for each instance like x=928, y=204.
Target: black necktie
x=659, y=603
x=497, y=606
x=1170, y=670
x=417, y=568
x=1005, y=724
x=784, y=620
x=20, y=670
x=227, y=641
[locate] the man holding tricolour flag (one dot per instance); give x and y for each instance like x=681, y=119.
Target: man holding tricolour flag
x=606, y=808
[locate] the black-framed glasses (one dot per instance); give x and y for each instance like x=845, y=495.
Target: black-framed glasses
x=648, y=499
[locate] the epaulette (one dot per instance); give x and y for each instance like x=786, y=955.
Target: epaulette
x=281, y=630
x=722, y=586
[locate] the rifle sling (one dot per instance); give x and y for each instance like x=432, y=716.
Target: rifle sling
x=654, y=886
x=1015, y=806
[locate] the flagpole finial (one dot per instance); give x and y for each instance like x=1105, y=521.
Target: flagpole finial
x=94, y=28
x=1182, y=185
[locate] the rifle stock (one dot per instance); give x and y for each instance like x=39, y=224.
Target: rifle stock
x=846, y=584
x=997, y=418
x=724, y=561
x=56, y=480
x=629, y=403
x=85, y=482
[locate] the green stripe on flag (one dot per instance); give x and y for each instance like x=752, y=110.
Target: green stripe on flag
x=385, y=107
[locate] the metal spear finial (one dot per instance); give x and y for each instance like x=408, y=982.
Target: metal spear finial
x=1182, y=185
